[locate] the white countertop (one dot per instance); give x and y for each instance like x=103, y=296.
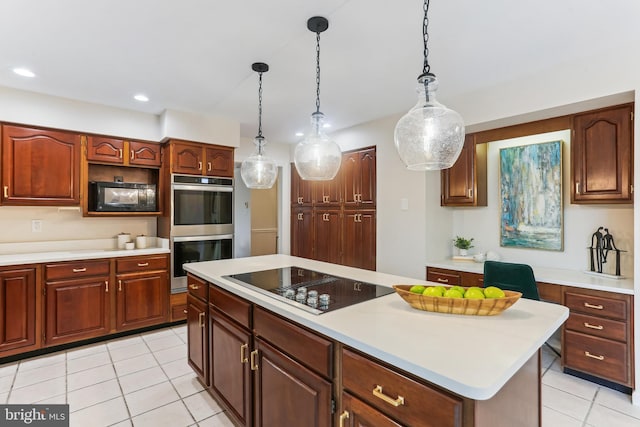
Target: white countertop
x=70, y=250
x=473, y=356
x=558, y=276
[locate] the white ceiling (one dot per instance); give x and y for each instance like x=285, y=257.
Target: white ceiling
x=196, y=55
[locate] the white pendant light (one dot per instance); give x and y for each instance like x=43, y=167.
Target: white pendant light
x=430, y=136
x=317, y=157
x=259, y=171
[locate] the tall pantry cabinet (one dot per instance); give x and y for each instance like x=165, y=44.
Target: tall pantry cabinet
x=335, y=221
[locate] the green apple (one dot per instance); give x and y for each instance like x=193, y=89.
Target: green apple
x=493, y=292
x=417, y=289
x=459, y=288
x=432, y=291
x=474, y=293
x=453, y=293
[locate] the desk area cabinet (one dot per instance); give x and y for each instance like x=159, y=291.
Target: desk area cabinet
x=597, y=339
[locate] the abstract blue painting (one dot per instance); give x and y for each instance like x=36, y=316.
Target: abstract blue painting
x=531, y=196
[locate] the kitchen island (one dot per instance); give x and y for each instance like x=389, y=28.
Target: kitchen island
x=485, y=368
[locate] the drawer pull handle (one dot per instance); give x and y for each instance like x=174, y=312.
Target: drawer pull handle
x=6, y=191
x=120, y=152
x=209, y=166
x=119, y=285
x=194, y=287
x=133, y=155
x=377, y=392
x=597, y=307
x=254, y=362
x=201, y=319
x=589, y=325
x=143, y=264
x=106, y=286
x=184, y=311
x=344, y=416
x=199, y=166
x=441, y=280
x=593, y=356
x=79, y=270
x=243, y=354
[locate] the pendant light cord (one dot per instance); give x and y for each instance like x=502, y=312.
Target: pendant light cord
x=317, y=72
x=426, y=69
x=260, y=105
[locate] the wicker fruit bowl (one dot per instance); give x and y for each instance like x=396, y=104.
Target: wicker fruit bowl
x=477, y=307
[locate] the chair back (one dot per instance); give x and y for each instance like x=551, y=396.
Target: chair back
x=511, y=277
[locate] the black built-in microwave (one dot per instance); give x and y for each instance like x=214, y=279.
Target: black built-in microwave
x=122, y=197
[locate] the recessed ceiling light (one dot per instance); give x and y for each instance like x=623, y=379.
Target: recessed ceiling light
x=142, y=98
x=299, y=134
x=24, y=72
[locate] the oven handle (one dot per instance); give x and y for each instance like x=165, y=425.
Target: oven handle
x=210, y=188
x=201, y=238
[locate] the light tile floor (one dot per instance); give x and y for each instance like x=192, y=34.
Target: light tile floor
x=144, y=380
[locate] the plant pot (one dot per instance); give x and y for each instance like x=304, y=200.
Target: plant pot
x=462, y=252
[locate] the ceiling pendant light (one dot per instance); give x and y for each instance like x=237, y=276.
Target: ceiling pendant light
x=317, y=157
x=259, y=171
x=430, y=136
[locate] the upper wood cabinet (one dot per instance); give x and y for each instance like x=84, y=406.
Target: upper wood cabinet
x=359, y=177
x=465, y=183
x=328, y=193
x=193, y=158
x=123, y=152
x=602, y=156
x=301, y=189
x=40, y=167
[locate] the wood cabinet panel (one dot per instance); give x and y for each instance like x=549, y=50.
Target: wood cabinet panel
x=597, y=356
x=230, y=372
x=444, y=277
x=178, y=306
x=301, y=190
x=230, y=305
x=359, y=239
x=328, y=193
x=197, y=338
x=17, y=309
x=597, y=326
x=398, y=396
x=104, y=149
x=287, y=393
x=40, y=167
x=328, y=236
x=186, y=158
x=142, y=300
x=197, y=287
x=76, y=269
x=602, y=156
x=77, y=309
x=356, y=413
x=219, y=161
x=146, y=263
x=144, y=154
x=596, y=305
x=305, y=346
x=193, y=158
x=465, y=183
x=302, y=227
x=359, y=177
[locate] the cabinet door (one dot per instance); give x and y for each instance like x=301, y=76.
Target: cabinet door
x=351, y=183
x=359, y=177
x=356, y=413
x=286, y=393
x=18, y=305
x=230, y=372
x=76, y=309
x=458, y=182
x=107, y=150
x=219, y=161
x=144, y=154
x=40, y=167
x=328, y=193
x=186, y=158
x=197, y=340
x=602, y=156
x=359, y=239
x=302, y=232
x=142, y=300
x=328, y=236
x=301, y=190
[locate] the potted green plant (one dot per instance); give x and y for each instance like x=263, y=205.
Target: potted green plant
x=462, y=244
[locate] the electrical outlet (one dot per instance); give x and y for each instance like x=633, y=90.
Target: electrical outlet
x=36, y=225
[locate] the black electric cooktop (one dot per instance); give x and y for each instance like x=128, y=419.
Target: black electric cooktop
x=309, y=290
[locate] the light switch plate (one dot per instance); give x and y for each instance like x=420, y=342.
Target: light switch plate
x=36, y=225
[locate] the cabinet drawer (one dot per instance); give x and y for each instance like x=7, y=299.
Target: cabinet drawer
x=597, y=326
x=134, y=265
x=597, y=356
x=72, y=270
x=443, y=277
x=308, y=348
x=234, y=307
x=597, y=306
x=550, y=292
x=383, y=389
x=197, y=287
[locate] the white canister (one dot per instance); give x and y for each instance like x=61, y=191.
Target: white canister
x=123, y=238
x=141, y=241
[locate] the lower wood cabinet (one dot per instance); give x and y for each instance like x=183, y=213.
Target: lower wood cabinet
x=18, y=310
x=198, y=342
x=77, y=301
x=356, y=413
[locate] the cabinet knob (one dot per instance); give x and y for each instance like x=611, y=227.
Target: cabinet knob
x=120, y=150
x=254, y=360
x=577, y=188
x=201, y=319
x=243, y=353
x=199, y=166
x=133, y=155
x=344, y=416
x=184, y=311
x=106, y=286
x=119, y=285
x=209, y=166
x=194, y=287
x=6, y=191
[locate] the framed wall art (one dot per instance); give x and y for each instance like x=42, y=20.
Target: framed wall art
x=531, y=196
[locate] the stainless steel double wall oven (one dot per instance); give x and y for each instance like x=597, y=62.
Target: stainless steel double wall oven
x=201, y=223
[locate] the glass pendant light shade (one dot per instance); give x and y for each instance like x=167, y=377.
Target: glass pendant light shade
x=258, y=171
x=317, y=157
x=430, y=136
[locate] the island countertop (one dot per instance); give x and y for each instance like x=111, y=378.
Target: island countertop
x=473, y=356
